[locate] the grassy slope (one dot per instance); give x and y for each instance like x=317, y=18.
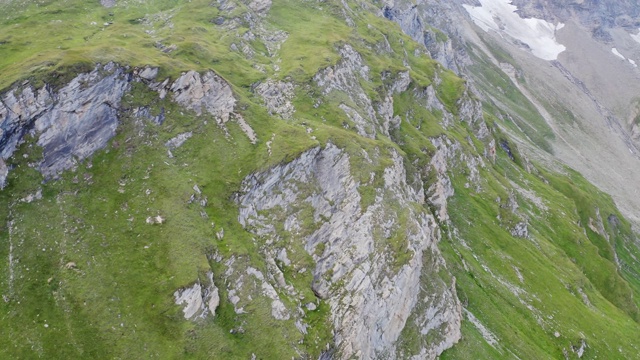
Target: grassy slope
x=118, y=301
x=557, y=263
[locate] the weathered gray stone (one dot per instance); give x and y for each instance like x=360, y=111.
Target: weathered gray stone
x=442, y=188
x=277, y=97
x=207, y=92
x=4, y=172
x=178, y=140
x=108, y=3
x=345, y=77
x=18, y=111
x=148, y=73
x=371, y=304
x=191, y=299
x=83, y=119
x=198, y=300
x=261, y=6
x=520, y=230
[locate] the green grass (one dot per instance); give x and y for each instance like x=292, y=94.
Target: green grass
x=118, y=302
x=516, y=111
x=559, y=261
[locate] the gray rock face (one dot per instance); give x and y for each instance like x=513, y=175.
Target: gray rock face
x=145, y=113
x=371, y=292
x=277, y=97
x=72, y=124
x=431, y=102
x=148, y=73
x=178, y=140
x=18, y=111
x=421, y=19
x=344, y=77
x=199, y=300
x=83, y=116
x=367, y=117
x=83, y=119
x=442, y=188
x=207, y=92
x=260, y=6
x=4, y=172
x=520, y=230
x=108, y=3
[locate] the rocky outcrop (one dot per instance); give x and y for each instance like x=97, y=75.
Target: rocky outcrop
x=178, y=140
x=260, y=6
x=19, y=108
x=145, y=113
x=370, y=262
x=72, y=123
x=399, y=85
x=345, y=77
x=423, y=21
x=369, y=117
x=277, y=96
x=4, y=172
x=199, y=300
x=521, y=230
x=207, y=92
x=441, y=189
x=83, y=120
x=430, y=100
x=108, y=3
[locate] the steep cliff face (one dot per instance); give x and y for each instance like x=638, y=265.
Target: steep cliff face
x=372, y=286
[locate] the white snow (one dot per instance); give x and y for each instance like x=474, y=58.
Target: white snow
x=636, y=37
x=617, y=53
x=501, y=16
x=633, y=63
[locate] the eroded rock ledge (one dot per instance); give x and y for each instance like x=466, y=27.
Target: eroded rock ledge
x=374, y=293
x=73, y=123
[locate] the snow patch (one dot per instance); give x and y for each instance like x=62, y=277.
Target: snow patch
x=633, y=63
x=617, y=53
x=636, y=37
x=501, y=16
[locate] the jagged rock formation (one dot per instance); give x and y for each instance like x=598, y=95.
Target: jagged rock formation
x=345, y=77
x=199, y=300
x=277, y=97
x=352, y=267
x=18, y=110
x=4, y=171
x=204, y=93
x=424, y=22
x=72, y=123
x=82, y=117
